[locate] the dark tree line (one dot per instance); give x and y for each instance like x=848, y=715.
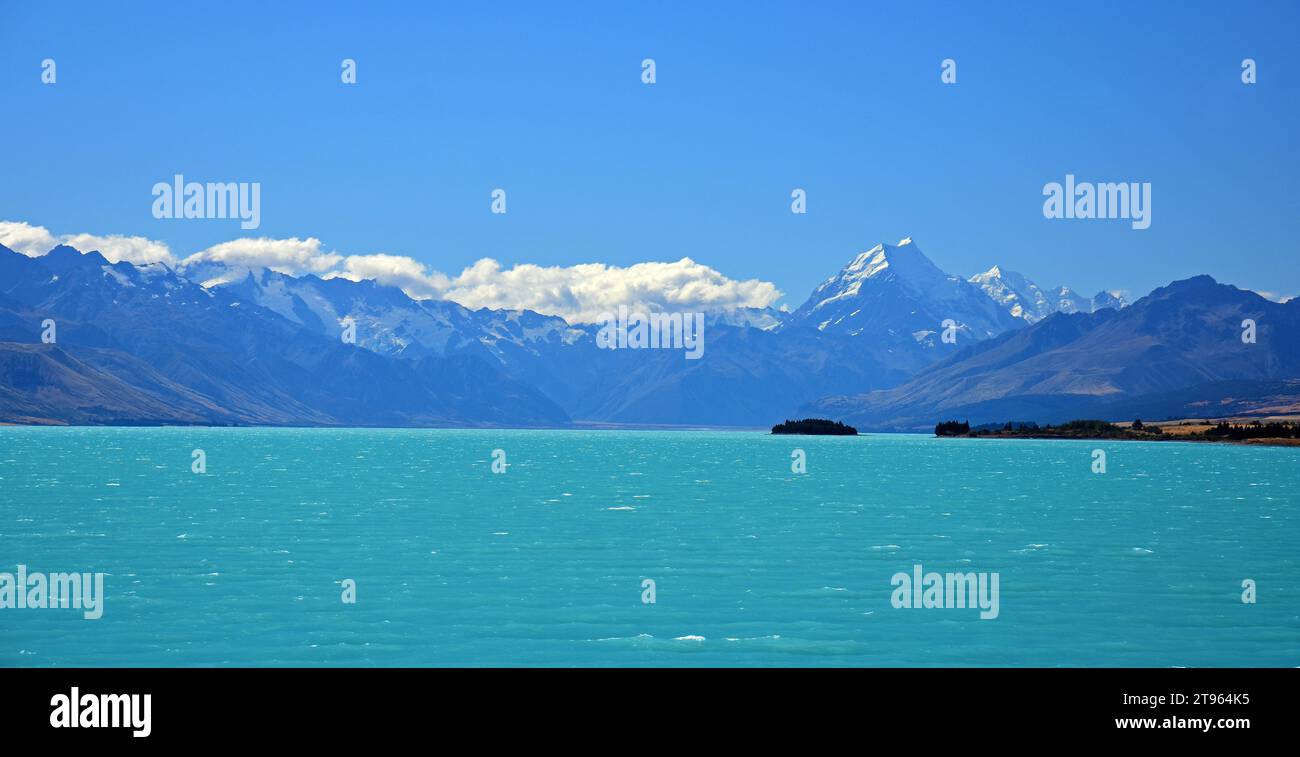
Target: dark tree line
x=952, y=428
x=1076, y=429
x=1255, y=430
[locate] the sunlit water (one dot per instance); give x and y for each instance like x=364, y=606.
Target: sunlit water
x=543, y=565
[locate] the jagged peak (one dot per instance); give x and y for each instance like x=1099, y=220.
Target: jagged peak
x=879, y=257
x=996, y=272
x=64, y=255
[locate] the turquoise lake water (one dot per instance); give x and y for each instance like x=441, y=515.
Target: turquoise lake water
x=543, y=565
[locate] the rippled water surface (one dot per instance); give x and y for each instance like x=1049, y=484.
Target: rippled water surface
x=543, y=565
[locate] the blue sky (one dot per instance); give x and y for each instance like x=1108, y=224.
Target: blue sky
x=752, y=100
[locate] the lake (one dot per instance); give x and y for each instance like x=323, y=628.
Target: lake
x=549, y=563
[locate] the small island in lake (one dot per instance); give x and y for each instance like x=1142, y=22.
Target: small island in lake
x=814, y=427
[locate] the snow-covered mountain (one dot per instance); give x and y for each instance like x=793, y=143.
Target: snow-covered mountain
x=1023, y=298
x=891, y=298
x=894, y=293
x=144, y=345
x=1104, y=299
x=391, y=323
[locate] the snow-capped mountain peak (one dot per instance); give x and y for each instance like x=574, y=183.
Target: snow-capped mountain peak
x=1020, y=297
x=1026, y=300
x=895, y=292
x=903, y=263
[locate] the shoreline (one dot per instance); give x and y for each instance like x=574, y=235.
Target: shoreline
x=1266, y=442
x=1227, y=430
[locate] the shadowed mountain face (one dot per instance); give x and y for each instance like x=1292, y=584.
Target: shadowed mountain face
x=199, y=355
x=39, y=383
x=1178, y=351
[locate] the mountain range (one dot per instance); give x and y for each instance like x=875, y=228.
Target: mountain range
x=1181, y=351
x=149, y=344
x=1023, y=298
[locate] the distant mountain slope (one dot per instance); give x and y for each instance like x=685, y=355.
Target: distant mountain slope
x=1185, y=335
x=43, y=384
x=239, y=362
x=745, y=375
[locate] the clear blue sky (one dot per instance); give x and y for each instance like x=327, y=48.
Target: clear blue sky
x=752, y=100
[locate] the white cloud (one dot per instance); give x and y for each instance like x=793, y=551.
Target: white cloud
x=582, y=292
x=32, y=241
x=578, y=293
x=412, y=276
x=35, y=241
x=137, y=250
x=293, y=256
